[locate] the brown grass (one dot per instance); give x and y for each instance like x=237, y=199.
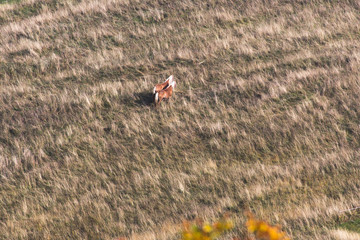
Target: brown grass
x=266, y=116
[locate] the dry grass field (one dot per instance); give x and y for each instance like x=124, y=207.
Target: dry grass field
x=265, y=116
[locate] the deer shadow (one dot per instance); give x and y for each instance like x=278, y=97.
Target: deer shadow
x=144, y=98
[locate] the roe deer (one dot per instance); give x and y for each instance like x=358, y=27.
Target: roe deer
x=164, y=94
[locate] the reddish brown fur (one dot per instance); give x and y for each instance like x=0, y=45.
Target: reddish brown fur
x=162, y=86
x=164, y=94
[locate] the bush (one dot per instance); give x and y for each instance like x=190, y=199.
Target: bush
x=257, y=229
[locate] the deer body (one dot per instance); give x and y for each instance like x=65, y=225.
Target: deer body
x=165, y=93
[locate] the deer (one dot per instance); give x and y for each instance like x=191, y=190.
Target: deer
x=164, y=93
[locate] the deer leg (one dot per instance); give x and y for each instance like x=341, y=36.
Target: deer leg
x=158, y=103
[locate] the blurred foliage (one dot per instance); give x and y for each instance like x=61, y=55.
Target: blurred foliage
x=205, y=231
x=264, y=231
x=258, y=229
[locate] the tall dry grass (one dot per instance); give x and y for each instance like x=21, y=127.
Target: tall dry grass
x=266, y=116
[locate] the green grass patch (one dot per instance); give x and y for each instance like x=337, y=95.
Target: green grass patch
x=9, y=1
x=352, y=225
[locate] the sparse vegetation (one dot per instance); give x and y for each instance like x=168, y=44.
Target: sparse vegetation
x=265, y=116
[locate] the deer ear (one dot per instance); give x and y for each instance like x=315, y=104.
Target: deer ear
x=170, y=78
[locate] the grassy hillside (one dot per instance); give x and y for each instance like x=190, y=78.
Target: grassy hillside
x=265, y=116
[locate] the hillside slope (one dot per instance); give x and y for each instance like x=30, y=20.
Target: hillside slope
x=265, y=116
